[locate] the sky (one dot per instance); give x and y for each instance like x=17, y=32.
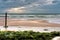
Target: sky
x=30, y=6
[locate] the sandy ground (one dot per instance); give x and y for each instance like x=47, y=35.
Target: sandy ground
x=31, y=23
x=25, y=28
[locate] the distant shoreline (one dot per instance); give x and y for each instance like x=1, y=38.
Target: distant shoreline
x=31, y=13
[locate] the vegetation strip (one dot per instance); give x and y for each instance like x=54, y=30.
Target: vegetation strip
x=27, y=35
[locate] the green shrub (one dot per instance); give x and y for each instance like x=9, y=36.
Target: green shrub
x=27, y=35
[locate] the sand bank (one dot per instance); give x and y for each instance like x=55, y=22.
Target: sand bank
x=31, y=23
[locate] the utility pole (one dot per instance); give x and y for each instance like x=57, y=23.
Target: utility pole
x=6, y=21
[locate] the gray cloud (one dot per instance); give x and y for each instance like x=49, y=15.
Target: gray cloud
x=7, y=4
x=30, y=5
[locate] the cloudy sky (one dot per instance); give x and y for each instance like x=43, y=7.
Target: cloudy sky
x=30, y=6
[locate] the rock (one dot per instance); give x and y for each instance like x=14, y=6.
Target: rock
x=56, y=38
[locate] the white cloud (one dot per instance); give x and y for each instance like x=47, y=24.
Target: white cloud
x=41, y=3
x=49, y=2
x=16, y=10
